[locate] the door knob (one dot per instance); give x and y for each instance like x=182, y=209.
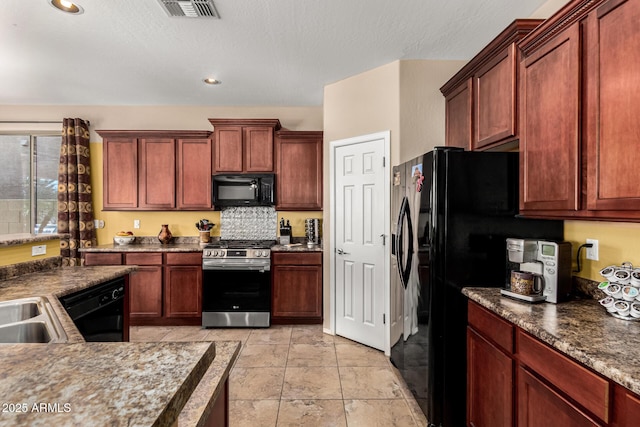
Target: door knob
x=341, y=252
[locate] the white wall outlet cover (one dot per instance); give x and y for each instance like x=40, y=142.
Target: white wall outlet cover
x=593, y=251
x=136, y=223
x=38, y=250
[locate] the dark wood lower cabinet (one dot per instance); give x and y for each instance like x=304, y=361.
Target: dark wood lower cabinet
x=540, y=405
x=219, y=415
x=489, y=383
x=166, y=289
x=296, y=289
x=145, y=293
x=536, y=385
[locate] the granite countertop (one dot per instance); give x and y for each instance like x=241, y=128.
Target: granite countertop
x=146, y=247
x=296, y=247
x=24, y=238
x=581, y=329
x=84, y=383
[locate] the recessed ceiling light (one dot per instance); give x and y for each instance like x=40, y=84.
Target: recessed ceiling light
x=211, y=81
x=66, y=6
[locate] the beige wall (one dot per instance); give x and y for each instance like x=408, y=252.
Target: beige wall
x=154, y=117
x=402, y=97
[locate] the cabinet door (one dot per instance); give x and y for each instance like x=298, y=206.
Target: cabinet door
x=626, y=410
x=494, y=100
x=227, y=156
x=299, y=171
x=194, y=174
x=120, y=172
x=157, y=173
x=297, y=291
x=539, y=405
x=489, y=384
x=458, y=107
x=183, y=291
x=613, y=106
x=549, y=125
x=145, y=292
x=258, y=149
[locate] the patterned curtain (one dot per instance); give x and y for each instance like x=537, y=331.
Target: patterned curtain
x=75, y=210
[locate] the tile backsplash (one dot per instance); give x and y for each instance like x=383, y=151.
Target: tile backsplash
x=248, y=223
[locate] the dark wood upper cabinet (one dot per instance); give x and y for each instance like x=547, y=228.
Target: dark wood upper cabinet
x=194, y=177
x=612, y=103
x=120, y=172
x=549, y=140
x=298, y=170
x=459, y=114
x=581, y=101
x=482, y=98
x=157, y=173
x=243, y=145
x=156, y=170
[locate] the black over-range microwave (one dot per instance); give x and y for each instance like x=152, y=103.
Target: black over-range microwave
x=244, y=190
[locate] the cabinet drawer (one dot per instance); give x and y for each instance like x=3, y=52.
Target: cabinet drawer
x=491, y=326
x=585, y=387
x=184, y=258
x=143, y=258
x=91, y=258
x=300, y=258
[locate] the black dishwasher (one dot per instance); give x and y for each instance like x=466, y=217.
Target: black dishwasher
x=98, y=312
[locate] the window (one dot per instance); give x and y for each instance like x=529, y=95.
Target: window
x=29, y=183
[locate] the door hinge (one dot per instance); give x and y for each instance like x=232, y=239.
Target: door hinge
x=384, y=319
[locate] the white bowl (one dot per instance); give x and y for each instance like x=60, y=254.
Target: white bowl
x=123, y=240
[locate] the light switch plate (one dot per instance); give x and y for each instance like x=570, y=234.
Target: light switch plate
x=38, y=250
x=136, y=223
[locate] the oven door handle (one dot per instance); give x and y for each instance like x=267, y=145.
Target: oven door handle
x=242, y=267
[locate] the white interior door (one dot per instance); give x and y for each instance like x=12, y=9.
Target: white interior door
x=361, y=223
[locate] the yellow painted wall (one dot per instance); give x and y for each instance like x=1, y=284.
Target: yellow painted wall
x=618, y=242
x=22, y=253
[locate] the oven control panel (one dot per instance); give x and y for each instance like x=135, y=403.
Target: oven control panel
x=236, y=253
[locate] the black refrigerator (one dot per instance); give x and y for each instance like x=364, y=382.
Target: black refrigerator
x=452, y=211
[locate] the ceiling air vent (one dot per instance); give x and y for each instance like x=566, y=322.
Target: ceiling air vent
x=190, y=8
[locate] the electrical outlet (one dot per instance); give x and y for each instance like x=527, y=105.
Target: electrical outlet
x=592, y=252
x=136, y=223
x=38, y=250
x=98, y=223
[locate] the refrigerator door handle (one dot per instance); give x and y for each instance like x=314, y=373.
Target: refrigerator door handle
x=405, y=270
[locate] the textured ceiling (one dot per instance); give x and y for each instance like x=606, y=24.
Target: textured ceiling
x=265, y=52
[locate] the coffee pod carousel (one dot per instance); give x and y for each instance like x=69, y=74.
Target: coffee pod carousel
x=622, y=287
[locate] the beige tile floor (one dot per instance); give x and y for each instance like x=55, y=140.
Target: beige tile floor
x=299, y=376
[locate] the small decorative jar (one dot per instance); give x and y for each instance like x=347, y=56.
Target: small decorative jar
x=165, y=235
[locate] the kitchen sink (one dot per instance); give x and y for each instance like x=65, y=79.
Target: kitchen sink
x=26, y=332
x=15, y=311
x=29, y=320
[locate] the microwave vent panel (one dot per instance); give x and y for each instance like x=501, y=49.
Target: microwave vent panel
x=190, y=8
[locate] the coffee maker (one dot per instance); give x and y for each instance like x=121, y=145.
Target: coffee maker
x=548, y=261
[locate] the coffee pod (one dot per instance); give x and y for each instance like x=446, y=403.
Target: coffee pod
x=629, y=293
x=608, y=303
x=634, y=310
x=622, y=307
x=614, y=290
x=607, y=272
x=622, y=276
x=635, y=278
x=603, y=286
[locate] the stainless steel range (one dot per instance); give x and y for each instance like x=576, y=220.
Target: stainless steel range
x=236, y=286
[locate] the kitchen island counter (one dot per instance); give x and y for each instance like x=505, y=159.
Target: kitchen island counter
x=80, y=383
x=581, y=329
